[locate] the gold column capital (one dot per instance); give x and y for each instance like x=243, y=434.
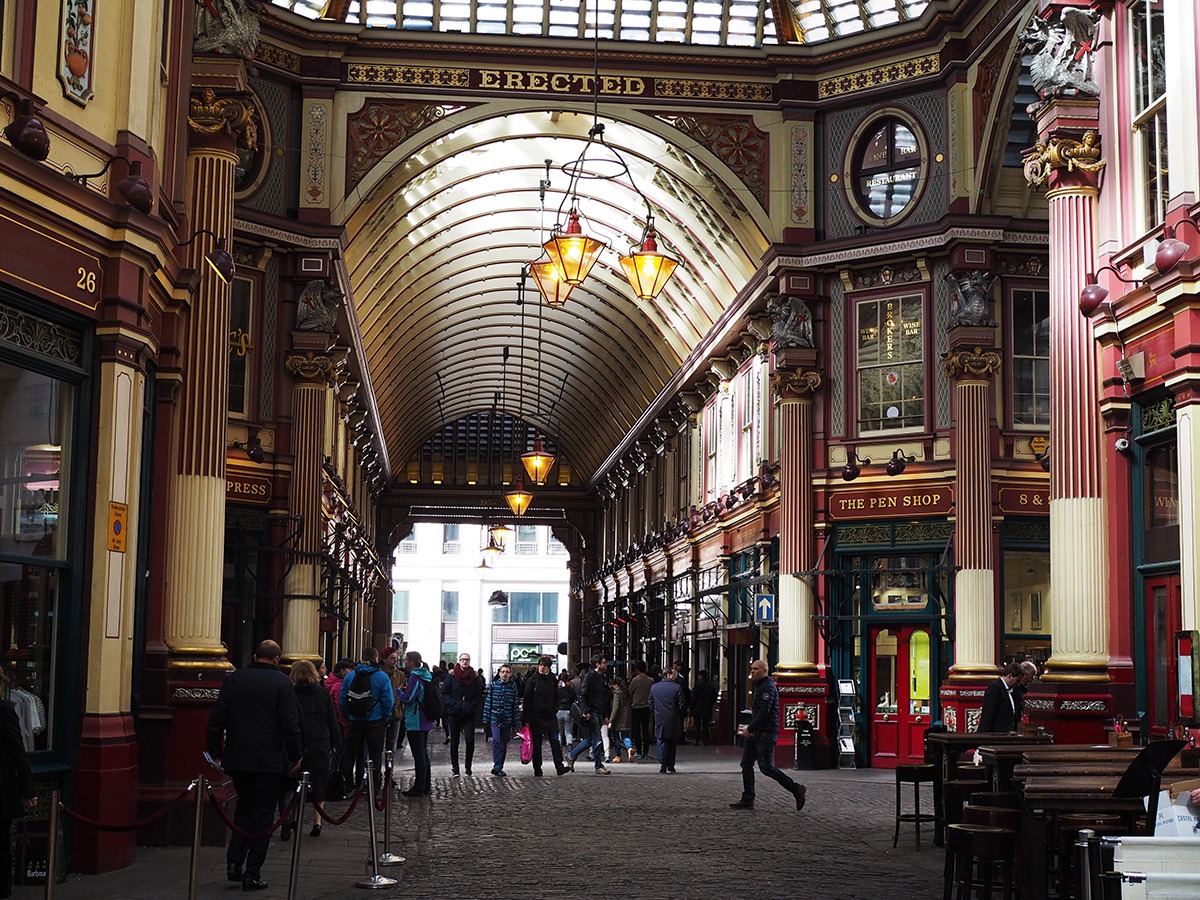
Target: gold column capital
x=1061, y=155
x=211, y=115
x=977, y=363
x=791, y=384
x=309, y=365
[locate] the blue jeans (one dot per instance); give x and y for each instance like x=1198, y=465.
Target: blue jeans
x=760, y=749
x=418, y=743
x=591, y=739
x=501, y=735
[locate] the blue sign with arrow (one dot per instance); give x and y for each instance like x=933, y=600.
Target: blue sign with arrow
x=764, y=607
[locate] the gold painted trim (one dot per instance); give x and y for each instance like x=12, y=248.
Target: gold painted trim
x=1081, y=190
x=1063, y=153
x=1075, y=678
x=879, y=76
x=794, y=670
x=209, y=115
x=978, y=363
x=957, y=675
x=795, y=382
x=192, y=665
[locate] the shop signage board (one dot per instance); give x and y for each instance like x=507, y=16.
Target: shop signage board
x=764, y=607
x=50, y=267
x=247, y=488
x=916, y=501
x=1025, y=500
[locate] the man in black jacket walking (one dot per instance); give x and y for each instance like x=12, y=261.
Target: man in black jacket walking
x=595, y=696
x=759, y=737
x=257, y=715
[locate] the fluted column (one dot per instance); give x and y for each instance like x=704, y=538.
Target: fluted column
x=196, y=540
x=1187, y=434
x=974, y=583
x=1068, y=161
x=302, y=586
x=795, y=604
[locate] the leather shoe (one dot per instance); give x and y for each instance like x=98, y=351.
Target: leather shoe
x=233, y=871
x=412, y=792
x=250, y=883
x=316, y=831
x=285, y=831
x=801, y=793
x=742, y=804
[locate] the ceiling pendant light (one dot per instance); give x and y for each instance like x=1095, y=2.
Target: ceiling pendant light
x=498, y=533
x=550, y=282
x=483, y=564
x=647, y=270
x=573, y=251
x=494, y=547
x=518, y=499
x=537, y=462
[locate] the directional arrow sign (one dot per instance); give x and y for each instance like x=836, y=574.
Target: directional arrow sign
x=764, y=606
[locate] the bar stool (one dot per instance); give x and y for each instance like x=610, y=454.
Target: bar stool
x=1069, y=827
x=991, y=847
x=915, y=774
x=955, y=794
x=996, y=816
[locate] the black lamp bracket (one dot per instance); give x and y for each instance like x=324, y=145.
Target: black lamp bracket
x=197, y=233
x=83, y=179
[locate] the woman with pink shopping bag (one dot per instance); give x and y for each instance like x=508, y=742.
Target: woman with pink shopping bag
x=540, y=714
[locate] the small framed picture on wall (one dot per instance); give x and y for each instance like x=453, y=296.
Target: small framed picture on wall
x=1035, y=610
x=1015, y=618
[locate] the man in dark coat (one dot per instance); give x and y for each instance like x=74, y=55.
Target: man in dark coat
x=666, y=708
x=257, y=716
x=595, y=698
x=759, y=737
x=999, y=714
x=539, y=710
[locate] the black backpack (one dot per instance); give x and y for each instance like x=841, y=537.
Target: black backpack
x=432, y=703
x=360, y=702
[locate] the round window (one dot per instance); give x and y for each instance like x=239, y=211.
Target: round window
x=887, y=165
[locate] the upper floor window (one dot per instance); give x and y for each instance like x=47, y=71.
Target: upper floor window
x=409, y=544
x=527, y=540
x=399, y=607
x=711, y=439
x=449, y=606
x=886, y=167
x=1031, y=357
x=241, y=331
x=891, y=364
x=1150, y=108
x=747, y=421
x=451, y=542
x=528, y=607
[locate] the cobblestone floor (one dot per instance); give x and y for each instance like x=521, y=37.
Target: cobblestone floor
x=635, y=833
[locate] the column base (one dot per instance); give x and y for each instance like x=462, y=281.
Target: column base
x=962, y=700
x=1074, y=711
x=808, y=692
x=105, y=791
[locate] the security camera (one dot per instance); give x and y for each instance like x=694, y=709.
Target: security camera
x=1122, y=445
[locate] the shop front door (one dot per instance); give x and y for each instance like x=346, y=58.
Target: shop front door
x=1163, y=599
x=900, y=694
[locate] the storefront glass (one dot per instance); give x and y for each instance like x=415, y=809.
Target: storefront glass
x=1026, y=605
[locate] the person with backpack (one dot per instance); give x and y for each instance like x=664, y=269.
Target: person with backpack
x=422, y=701
x=366, y=700
x=502, y=715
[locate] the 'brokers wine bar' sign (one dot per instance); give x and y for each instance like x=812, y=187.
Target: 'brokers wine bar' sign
x=891, y=503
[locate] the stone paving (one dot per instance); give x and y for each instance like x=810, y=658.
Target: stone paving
x=635, y=833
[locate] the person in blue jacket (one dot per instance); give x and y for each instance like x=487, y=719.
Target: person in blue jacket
x=501, y=713
x=416, y=725
x=366, y=702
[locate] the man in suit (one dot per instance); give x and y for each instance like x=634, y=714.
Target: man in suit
x=1029, y=671
x=254, y=732
x=999, y=705
x=666, y=708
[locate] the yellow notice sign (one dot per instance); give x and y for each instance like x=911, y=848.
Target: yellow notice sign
x=118, y=521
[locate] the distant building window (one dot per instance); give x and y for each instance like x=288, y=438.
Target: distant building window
x=555, y=547
x=886, y=168
x=528, y=607
x=527, y=540
x=449, y=606
x=1031, y=357
x=891, y=364
x=451, y=543
x=400, y=606
x=1150, y=108
x=409, y=544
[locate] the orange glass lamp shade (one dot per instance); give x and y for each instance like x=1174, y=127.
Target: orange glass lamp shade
x=537, y=462
x=494, y=547
x=498, y=533
x=550, y=282
x=573, y=252
x=647, y=270
x=518, y=499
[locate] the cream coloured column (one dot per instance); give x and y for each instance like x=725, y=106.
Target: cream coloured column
x=1187, y=435
x=302, y=586
x=196, y=538
x=974, y=583
x=795, y=605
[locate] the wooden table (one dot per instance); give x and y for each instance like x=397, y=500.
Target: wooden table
x=999, y=760
x=944, y=748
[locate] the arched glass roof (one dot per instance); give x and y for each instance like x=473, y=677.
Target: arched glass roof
x=729, y=23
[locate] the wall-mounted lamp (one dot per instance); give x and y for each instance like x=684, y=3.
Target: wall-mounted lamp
x=252, y=447
x=1043, y=458
x=853, y=467
x=1094, y=294
x=498, y=598
x=26, y=132
x=133, y=187
x=218, y=257
x=896, y=464
x=1171, y=250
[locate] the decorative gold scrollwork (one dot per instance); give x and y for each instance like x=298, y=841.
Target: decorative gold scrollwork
x=210, y=114
x=1063, y=153
x=795, y=381
x=309, y=365
x=978, y=363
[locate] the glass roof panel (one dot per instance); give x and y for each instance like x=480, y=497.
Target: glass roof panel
x=737, y=22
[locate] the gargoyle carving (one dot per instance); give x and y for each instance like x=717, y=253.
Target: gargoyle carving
x=791, y=323
x=317, y=307
x=1062, y=53
x=228, y=27
x=969, y=303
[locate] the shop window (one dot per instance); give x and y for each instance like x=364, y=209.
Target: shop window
x=449, y=653
x=1160, y=500
x=1026, y=609
x=1150, y=108
x=899, y=582
x=449, y=606
x=891, y=366
x=886, y=166
x=241, y=330
x=1031, y=358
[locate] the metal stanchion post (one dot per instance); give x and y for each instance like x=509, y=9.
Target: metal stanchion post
x=201, y=787
x=301, y=808
x=374, y=880
x=51, y=846
x=387, y=857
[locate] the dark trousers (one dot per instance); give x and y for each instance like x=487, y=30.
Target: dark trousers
x=555, y=749
x=418, y=743
x=6, y=860
x=464, y=726
x=257, y=793
x=761, y=749
x=703, y=727
x=371, y=735
x=501, y=735
x=641, y=730
x=666, y=753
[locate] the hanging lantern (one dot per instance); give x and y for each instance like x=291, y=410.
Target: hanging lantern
x=647, y=270
x=494, y=547
x=498, y=533
x=518, y=499
x=550, y=283
x=537, y=462
x=573, y=251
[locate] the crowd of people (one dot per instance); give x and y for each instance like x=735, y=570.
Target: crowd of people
x=266, y=727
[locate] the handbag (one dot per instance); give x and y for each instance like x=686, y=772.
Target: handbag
x=526, y=745
x=577, y=712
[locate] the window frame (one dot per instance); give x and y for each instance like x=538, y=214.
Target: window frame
x=1147, y=113
x=1010, y=291
x=854, y=409
x=250, y=355
x=852, y=170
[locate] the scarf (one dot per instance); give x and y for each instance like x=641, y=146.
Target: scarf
x=466, y=677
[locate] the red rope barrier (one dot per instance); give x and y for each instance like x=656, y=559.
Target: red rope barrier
x=275, y=826
x=349, y=812
x=132, y=826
